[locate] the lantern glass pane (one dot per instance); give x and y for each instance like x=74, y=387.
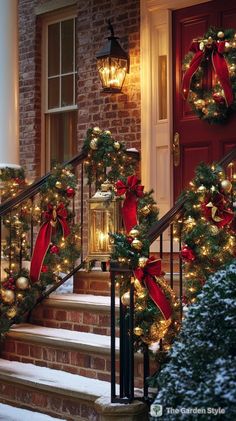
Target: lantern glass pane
x=101, y=223
x=112, y=72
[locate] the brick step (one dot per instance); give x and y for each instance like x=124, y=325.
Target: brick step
x=79, y=312
x=12, y=413
x=82, y=353
x=53, y=392
x=85, y=282
x=94, y=282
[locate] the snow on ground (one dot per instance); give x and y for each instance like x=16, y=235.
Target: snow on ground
x=10, y=413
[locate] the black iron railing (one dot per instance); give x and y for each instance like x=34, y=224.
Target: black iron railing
x=162, y=232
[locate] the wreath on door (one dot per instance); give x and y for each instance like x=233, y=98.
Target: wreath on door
x=213, y=100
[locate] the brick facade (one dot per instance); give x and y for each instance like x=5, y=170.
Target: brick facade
x=118, y=112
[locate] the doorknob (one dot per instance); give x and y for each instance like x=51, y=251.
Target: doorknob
x=176, y=150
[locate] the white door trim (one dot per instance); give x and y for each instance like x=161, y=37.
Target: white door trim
x=156, y=135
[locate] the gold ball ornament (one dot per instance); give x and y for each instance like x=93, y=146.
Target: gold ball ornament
x=107, y=132
x=125, y=299
x=96, y=130
x=8, y=296
x=142, y=261
x=58, y=185
x=137, y=244
x=20, y=296
x=22, y=283
x=201, y=189
x=214, y=230
x=227, y=46
x=11, y=312
x=116, y=145
x=134, y=233
x=145, y=210
x=94, y=144
x=199, y=103
x=139, y=307
x=226, y=186
x=220, y=34
x=138, y=331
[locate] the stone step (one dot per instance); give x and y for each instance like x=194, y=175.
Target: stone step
x=82, y=353
x=79, y=312
x=52, y=392
x=12, y=413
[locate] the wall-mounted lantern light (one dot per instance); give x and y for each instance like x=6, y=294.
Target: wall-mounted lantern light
x=112, y=64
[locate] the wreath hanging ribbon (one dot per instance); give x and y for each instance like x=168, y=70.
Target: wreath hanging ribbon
x=219, y=64
x=146, y=275
x=53, y=215
x=132, y=189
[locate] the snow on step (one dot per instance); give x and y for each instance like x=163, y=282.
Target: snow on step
x=10, y=413
x=53, y=380
x=49, y=335
x=80, y=300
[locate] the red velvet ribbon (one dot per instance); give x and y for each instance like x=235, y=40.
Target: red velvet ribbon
x=53, y=215
x=132, y=189
x=216, y=210
x=219, y=64
x=146, y=275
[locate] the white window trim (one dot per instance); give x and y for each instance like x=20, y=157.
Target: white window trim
x=50, y=18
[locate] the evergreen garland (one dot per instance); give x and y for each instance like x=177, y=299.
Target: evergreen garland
x=207, y=227
x=106, y=157
x=133, y=249
x=18, y=293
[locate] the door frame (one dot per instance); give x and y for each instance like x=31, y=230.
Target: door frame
x=156, y=134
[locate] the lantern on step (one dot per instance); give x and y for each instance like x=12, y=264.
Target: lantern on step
x=104, y=217
x=112, y=64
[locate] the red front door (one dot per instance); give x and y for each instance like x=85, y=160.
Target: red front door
x=198, y=140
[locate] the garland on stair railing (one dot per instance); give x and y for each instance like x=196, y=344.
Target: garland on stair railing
x=207, y=226
x=106, y=157
x=20, y=288
x=156, y=307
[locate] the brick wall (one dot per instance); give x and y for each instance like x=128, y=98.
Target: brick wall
x=118, y=112
x=29, y=86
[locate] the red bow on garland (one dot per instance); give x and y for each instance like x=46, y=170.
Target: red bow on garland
x=132, y=189
x=216, y=210
x=146, y=275
x=53, y=215
x=220, y=66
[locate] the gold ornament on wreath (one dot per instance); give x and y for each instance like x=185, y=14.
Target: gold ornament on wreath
x=215, y=54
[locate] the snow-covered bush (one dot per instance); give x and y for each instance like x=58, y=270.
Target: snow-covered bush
x=202, y=368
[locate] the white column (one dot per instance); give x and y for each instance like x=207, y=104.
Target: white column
x=9, y=87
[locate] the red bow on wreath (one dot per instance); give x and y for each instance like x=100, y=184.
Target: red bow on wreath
x=132, y=189
x=219, y=64
x=53, y=215
x=146, y=275
x=215, y=210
